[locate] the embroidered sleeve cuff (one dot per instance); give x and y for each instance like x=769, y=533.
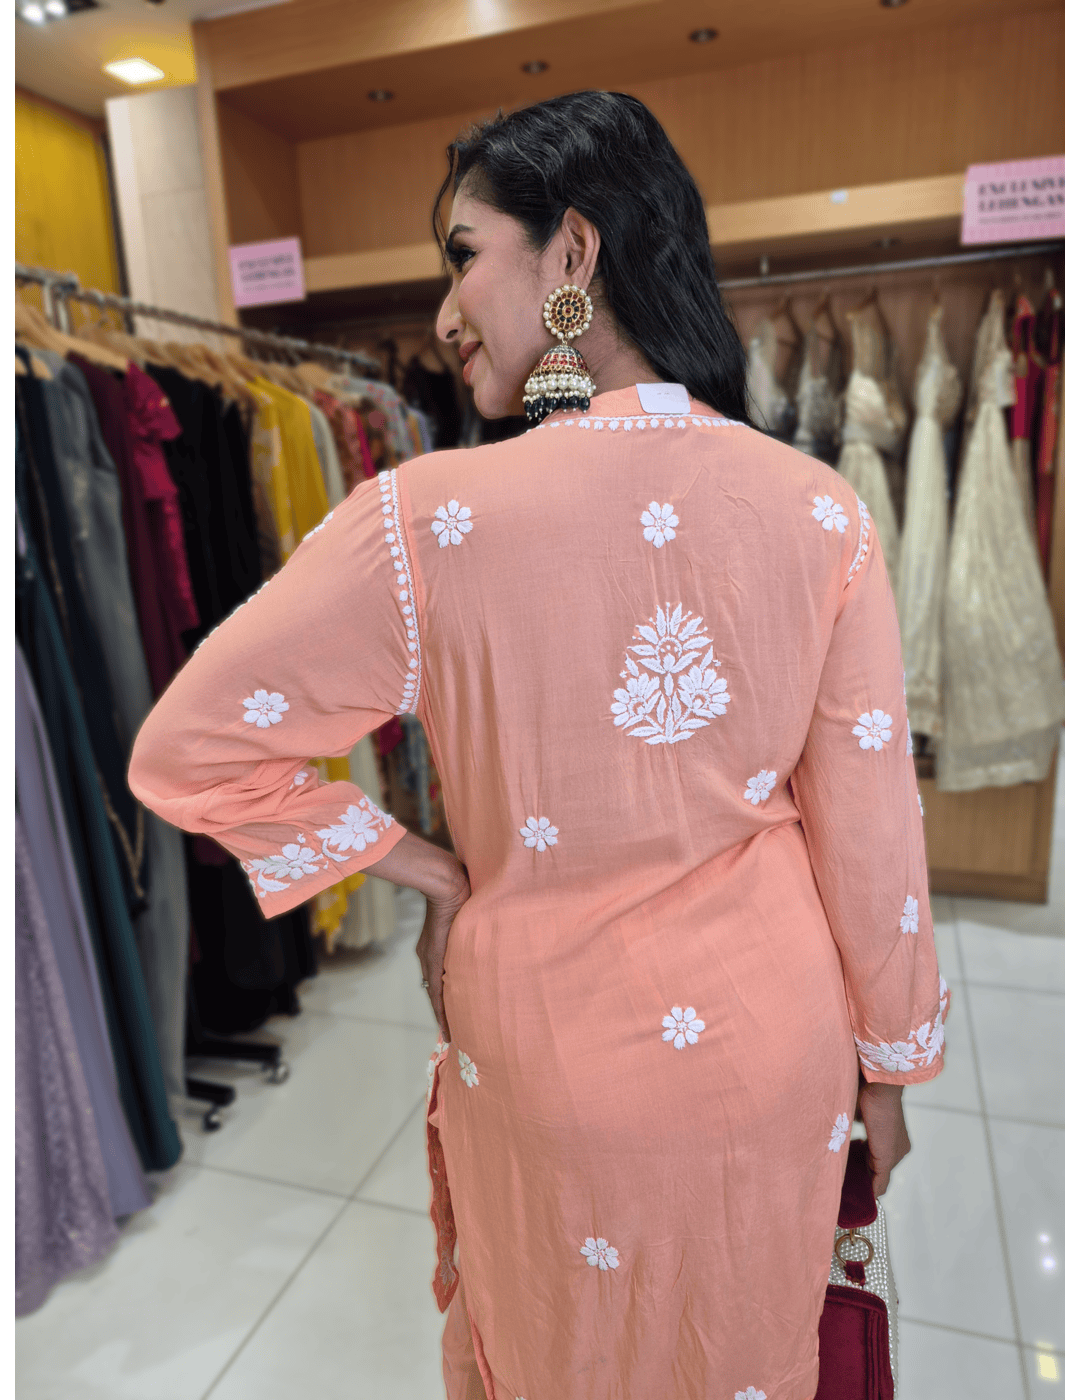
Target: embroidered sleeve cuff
x=913, y=1060
x=309, y=861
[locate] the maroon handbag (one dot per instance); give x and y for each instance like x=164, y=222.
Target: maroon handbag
x=857, y=1331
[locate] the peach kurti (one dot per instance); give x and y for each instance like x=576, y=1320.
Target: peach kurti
x=659, y=664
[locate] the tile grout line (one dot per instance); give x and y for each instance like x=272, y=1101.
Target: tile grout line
x=993, y=1117
x=273, y=1303
x=967, y=1332
x=400, y=1129
x=994, y=1183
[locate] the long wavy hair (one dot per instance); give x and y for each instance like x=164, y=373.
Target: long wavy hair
x=605, y=155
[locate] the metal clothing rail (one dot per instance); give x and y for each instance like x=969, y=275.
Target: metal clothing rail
x=776, y=279
x=59, y=287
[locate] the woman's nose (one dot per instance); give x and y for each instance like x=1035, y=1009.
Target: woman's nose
x=448, y=323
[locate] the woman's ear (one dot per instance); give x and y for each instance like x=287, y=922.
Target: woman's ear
x=582, y=243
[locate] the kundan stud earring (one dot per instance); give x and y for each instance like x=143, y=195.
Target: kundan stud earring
x=561, y=379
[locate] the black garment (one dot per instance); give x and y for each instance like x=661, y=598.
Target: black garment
x=127, y=1010
x=434, y=394
x=45, y=516
x=210, y=463
x=244, y=967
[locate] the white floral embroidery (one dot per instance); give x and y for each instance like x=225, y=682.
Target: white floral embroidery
x=750, y=1394
x=600, y=1254
x=437, y=1054
x=873, y=730
x=358, y=827
x=264, y=708
x=758, y=789
x=918, y=798
x=910, y=744
x=683, y=1026
x=451, y=523
x=830, y=513
x=399, y=560
x=299, y=779
x=539, y=834
x=235, y=610
x=469, y=1072
x=920, y=1051
x=839, y=1132
x=909, y=920
x=659, y=521
x=272, y=874
x=321, y=526
x=668, y=645
x=864, y=542
x=639, y=420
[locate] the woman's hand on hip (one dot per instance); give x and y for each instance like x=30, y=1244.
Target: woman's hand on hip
x=443, y=881
x=882, y=1112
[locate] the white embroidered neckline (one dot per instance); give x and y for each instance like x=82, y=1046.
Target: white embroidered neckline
x=628, y=421
x=406, y=593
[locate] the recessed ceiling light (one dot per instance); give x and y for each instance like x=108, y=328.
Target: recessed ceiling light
x=134, y=71
x=381, y=95
x=536, y=66
x=892, y=4
x=703, y=36
x=56, y=8
x=33, y=14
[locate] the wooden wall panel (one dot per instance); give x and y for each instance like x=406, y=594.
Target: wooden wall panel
x=862, y=115
x=261, y=182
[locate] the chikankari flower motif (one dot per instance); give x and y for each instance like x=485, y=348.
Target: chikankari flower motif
x=919, y=1052
x=321, y=526
x=539, y=834
x=918, y=798
x=451, y=524
x=873, y=729
x=469, y=1072
x=299, y=779
x=750, y=1393
x=830, y=513
x=264, y=708
x=358, y=827
x=909, y=919
x=600, y=1254
x=759, y=787
x=437, y=1054
x=683, y=1026
x=839, y=1132
x=910, y=741
x=671, y=645
x=659, y=521
x=272, y=874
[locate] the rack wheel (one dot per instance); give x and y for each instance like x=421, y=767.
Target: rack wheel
x=211, y=1120
x=277, y=1074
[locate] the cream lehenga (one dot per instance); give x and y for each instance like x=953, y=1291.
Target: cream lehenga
x=820, y=393
x=1004, y=696
x=771, y=404
x=920, y=586
x=874, y=423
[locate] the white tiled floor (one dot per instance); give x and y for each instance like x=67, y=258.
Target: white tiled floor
x=290, y=1254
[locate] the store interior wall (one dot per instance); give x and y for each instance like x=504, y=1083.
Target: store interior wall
x=63, y=218
x=160, y=185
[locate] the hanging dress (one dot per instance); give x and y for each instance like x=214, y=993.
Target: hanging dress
x=925, y=540
x=658, y=662
x=874, y=422
x=820, y=398
x=1027, y=387
x=1004, y=684
x=771, y=407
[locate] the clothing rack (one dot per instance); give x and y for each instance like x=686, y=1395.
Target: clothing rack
x=994, y=254
x=60, y=287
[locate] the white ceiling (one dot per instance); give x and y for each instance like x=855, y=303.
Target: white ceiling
x=63, y=59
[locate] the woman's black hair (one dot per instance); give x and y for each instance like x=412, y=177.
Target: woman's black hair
x=605, y=155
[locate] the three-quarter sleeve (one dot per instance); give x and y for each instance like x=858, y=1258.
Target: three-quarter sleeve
x=858, y=799
x=322, y=654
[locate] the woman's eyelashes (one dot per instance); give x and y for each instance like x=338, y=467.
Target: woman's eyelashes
x=457, y=255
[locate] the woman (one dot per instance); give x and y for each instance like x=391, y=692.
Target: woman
x=658, y=661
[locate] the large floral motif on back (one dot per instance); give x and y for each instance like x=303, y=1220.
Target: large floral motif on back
x=673, y=684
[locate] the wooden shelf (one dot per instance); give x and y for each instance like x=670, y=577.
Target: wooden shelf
x=915, y=210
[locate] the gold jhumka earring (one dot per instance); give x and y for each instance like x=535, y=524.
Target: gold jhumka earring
x=561, y=379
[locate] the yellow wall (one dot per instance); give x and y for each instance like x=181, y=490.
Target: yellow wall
x=62, y=215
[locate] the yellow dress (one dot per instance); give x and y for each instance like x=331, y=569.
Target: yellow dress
x=285, y=461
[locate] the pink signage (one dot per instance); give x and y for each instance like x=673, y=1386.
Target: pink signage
x=267, y=272
x=1014, y=201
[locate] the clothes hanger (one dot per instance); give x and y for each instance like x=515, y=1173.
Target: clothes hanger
x=32, y=326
